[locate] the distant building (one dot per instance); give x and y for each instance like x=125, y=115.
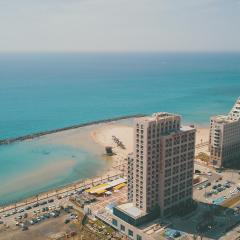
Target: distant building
x=225, y=137
x=160, y=172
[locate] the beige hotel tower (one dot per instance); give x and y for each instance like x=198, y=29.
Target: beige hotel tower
x=163, y=158
x=160, y=169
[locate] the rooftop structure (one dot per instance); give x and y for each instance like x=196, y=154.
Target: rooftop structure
x=235, y=112
x=102, y=188
x=131, y=210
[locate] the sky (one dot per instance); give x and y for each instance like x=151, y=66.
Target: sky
x=119, y=25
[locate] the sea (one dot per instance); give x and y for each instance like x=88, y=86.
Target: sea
x=45, y=91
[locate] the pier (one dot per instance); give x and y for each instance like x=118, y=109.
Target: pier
x=40, y=134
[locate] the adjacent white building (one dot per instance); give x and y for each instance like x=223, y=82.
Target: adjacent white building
x=224, y=141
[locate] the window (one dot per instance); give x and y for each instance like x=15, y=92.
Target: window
x=122, y=228
x=175, y=189
x=114, y=222
x=167, y=182
x=167, y=191
x=175, y=169
x=130, y=233
x=168, y=172
x=168, y=163
x=167, y=201
x=175, y=179
x=189, y=174
x=139, y=237
x=176, y=160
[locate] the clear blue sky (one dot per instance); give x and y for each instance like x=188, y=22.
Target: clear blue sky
x=119, y=25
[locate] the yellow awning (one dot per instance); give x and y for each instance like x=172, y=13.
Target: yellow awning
x=119, y=186
x=97, y=188
x=100, y=191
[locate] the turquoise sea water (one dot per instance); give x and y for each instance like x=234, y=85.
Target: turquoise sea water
x=46, y=91
x=25, y=168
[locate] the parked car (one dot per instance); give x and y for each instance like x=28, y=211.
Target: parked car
x=35, y=205
x=66, y=221
x=24, y=228
x=31, y=222
x=28, y=208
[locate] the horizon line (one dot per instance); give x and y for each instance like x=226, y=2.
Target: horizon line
x=123, y=52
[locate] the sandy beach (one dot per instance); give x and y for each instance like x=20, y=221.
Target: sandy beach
x=103, y=136
x=74, y=151
x=94, y=139
x=202, y=135
x=202, y=138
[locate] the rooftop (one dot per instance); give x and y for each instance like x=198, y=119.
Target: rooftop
x=223, y=119
x=131, y=210
x=233, y=116
x=160, y=116
x=235, y=112
x=186, y=128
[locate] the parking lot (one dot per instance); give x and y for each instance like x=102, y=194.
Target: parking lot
x=38, y=212
x=57, y=209
x=219, y=186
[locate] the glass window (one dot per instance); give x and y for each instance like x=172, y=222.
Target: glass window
x=130, y=233
x=122, y=228
x=114, y=222
x=139, y=237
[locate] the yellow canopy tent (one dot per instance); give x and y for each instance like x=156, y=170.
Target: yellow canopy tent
x=119, y=186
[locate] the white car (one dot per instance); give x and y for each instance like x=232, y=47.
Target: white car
x=209, y=173
x=52, y=214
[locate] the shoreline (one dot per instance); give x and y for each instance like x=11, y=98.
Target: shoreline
x=77, y=138
x=102, y=136
x=59, y=191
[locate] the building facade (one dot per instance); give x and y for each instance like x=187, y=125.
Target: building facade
x=160, y=173
x=224, y=140
x=161, y=167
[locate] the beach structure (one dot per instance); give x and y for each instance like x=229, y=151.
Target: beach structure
x=104, y=187
x=224, y=139
x=160, y=172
